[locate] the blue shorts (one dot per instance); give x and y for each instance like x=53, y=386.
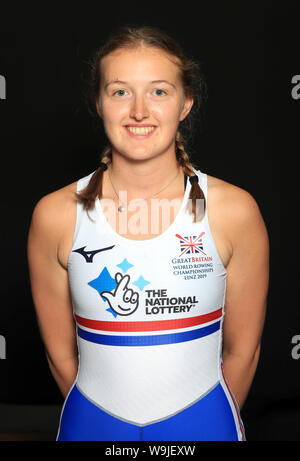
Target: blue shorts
x=209, y=419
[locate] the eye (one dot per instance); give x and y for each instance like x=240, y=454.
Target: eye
x=134, y=298
x=127, y=295
x=159, y=92
x=119, y=92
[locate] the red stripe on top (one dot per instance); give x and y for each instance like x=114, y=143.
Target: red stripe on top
x=153, y=325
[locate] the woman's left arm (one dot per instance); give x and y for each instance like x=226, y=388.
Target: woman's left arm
x=246, y=293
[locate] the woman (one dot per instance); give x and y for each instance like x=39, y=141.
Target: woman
x=152, y=353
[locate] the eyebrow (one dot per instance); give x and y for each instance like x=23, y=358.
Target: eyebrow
x=125, y=83
x=163, y=81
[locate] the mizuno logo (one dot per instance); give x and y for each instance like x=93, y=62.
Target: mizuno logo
x=89, y=255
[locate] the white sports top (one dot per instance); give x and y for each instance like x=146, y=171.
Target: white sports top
x=149, y=313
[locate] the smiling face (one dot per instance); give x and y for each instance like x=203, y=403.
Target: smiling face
x=141, y=101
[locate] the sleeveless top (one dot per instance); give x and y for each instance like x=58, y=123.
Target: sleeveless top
x=149, y=314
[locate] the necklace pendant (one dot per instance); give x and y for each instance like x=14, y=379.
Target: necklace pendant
x=121, y=208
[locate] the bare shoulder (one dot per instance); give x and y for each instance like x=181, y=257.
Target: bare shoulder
x=233, y=213
x=55, y=212
x=232, y=200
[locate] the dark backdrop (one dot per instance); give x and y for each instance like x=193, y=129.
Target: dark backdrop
x=48, y=140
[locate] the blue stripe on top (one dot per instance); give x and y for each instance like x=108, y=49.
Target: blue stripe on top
x=150, y=340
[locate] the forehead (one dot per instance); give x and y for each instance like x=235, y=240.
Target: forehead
x=142, y=63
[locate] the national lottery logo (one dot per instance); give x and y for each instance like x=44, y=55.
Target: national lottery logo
x=191, y=244
x=124, y=300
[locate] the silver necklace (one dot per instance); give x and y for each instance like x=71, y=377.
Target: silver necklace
x=122, y=206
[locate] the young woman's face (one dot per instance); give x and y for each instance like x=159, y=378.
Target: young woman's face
x=141, y=101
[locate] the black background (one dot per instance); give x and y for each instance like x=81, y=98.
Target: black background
x=48, y=140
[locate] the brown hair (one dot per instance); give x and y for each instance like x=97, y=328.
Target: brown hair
x=193, y=85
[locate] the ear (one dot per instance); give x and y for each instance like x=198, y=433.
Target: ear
x=188, y=103
x=98, y=106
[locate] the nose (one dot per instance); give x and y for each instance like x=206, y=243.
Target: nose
x=139, y=109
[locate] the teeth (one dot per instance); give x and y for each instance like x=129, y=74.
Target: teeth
x=140, y=130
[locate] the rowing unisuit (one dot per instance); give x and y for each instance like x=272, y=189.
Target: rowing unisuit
x=149, y=317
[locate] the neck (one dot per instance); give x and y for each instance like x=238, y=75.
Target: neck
x=144, y=178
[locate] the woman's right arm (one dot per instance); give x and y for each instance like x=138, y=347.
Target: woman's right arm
x=50, y=288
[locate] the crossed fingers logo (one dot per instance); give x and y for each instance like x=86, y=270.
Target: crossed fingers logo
x=123, y=301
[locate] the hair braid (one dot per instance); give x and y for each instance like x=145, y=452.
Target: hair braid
x=88, y=195
x=196, y=192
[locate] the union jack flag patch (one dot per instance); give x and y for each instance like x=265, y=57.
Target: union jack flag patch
x=191, y=244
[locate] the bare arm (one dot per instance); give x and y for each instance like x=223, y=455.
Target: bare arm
x=247, y=285
x=50, y=290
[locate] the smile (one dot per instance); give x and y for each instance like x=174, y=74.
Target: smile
x=123, y=308
x=140, y=131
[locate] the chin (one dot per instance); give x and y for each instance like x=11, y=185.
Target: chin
x=136, y=155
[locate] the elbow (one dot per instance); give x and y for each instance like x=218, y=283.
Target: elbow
x=248, y=356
